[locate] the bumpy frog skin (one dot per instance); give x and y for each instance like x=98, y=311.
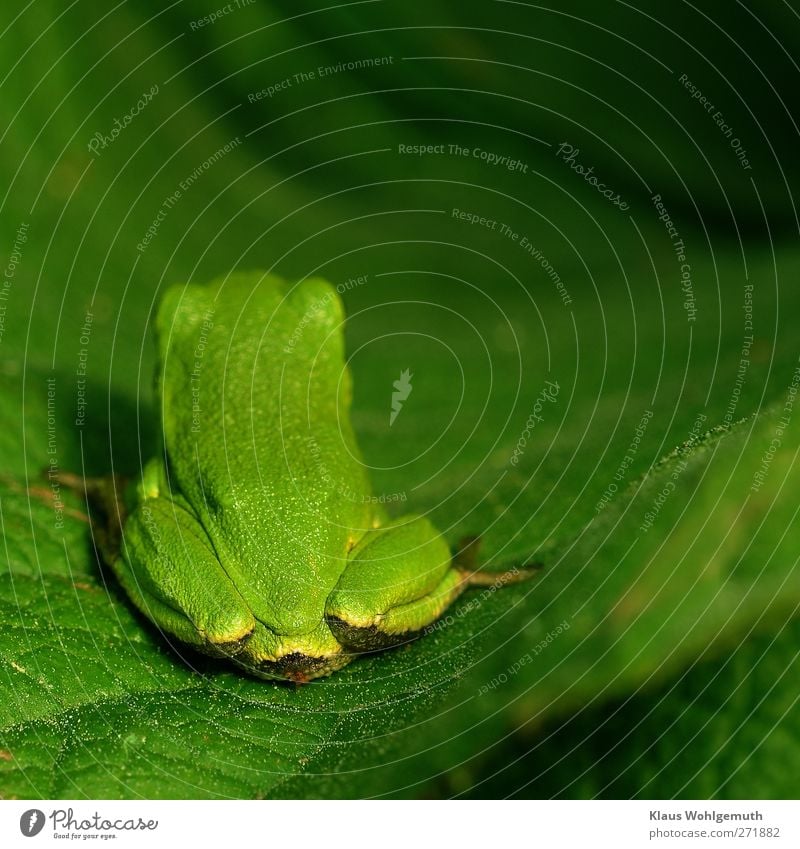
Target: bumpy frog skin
x=252, y=535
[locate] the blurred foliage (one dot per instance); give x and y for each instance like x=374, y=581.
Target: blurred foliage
x=684, y=629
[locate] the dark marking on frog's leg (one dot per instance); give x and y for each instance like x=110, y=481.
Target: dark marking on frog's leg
x=227, y=650
x=296, y=667
x=292, y=657
x=368, y=639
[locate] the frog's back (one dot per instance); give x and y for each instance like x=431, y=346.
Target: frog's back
x=255, y=408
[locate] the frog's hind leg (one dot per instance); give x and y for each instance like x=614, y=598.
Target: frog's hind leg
x=399, y=580
x=167, y=566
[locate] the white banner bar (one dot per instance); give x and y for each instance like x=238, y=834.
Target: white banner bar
x=400, y=825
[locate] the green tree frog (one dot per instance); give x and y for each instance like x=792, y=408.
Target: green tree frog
x=253, y=534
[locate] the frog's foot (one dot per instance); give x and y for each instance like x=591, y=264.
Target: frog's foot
x=46, y=494
x=465, y=561
x=298, y=658
x=491, y=578
x=103, y=496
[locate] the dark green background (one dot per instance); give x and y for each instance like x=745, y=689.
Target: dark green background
x=677, y=675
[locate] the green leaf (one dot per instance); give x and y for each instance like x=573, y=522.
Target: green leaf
x=96, y=706
x=725, y=728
